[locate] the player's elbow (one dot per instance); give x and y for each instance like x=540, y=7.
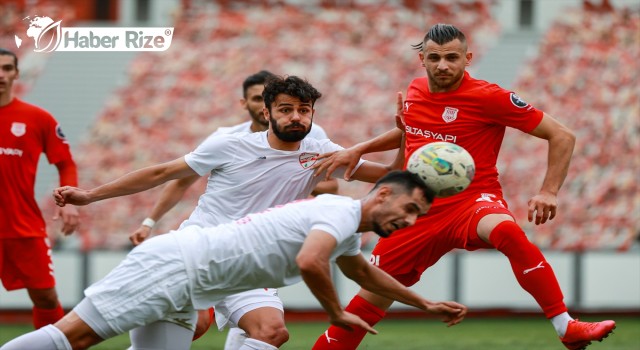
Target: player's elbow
x=307, y=264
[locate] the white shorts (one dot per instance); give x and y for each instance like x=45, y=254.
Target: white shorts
x=230, y=310
x=150, y=284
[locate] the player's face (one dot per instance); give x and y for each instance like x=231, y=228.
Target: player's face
x=254, y=104
x=8, y=73
x=445, y=64
x=290, y=118
x=399, y=211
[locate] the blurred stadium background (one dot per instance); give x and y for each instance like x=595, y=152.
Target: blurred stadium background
x=576, y=60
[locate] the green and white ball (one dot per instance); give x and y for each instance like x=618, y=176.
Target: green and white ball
x=445, y=167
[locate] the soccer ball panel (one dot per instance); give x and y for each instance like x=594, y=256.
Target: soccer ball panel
x=445, y=167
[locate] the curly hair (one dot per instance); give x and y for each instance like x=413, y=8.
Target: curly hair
x=292, y=86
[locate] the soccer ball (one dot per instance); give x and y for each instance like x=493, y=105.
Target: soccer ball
x=445, y=167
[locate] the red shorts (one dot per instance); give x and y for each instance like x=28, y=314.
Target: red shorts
x=407, y=253
x=26, y=263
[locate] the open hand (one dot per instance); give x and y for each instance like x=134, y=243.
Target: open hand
x=348, y=158
x=346, y=319
x=70, y=219
x=544, y=205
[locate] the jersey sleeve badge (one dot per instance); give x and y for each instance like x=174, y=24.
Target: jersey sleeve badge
x=59, y=133
x=517, y=101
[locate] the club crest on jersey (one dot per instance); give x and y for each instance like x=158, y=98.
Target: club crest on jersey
x=18, y=129
x=517, y=101
x=308, y=159
x=450, y=114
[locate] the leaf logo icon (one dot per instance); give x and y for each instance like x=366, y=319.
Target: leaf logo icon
x=54, y=33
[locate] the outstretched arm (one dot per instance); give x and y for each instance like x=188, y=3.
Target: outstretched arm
x=171, y=194
x=349, y=157
x=561, y=143
x=133, y=182
x=379, y=282
x=313, y=261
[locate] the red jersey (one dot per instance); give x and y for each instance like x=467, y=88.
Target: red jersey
x=474, y=116
x=26, y=131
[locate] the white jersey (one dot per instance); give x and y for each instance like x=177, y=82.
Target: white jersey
x=260, y=250
x=247, y=175
x=317, y=132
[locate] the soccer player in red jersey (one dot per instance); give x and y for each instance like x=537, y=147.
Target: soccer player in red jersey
x=26, y=131
x=449, y=105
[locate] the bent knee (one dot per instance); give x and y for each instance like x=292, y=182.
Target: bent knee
x=275, y=335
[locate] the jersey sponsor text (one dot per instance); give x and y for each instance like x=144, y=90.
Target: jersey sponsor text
x=430, y=134
x=11, y=151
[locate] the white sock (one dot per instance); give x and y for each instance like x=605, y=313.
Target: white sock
x=45, y=338
x=561, y=322
x=235, y=339
x=255, y=344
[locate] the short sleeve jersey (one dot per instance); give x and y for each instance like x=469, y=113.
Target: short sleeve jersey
x=260, y=249
x=474, y=116
x=246, y=175
x=26, y=131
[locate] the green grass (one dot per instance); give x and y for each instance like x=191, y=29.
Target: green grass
x=473, y=334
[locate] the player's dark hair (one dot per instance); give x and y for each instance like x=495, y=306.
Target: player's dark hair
x=292, y=86
x=441, y=34
x=255, y=79
x=408, y=181
x=5, y=52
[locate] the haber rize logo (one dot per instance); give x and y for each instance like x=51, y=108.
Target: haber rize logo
x=49, y=35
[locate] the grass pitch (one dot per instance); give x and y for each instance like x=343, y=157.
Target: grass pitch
x=473, y=334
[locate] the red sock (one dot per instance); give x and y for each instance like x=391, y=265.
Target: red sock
x=531, y=269
x=43, y=317
x=336, y=338
x=197, y=335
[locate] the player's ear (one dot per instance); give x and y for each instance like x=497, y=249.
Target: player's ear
x=469, y=56
x=244, y=104
x=383, y=193
x=265, y=111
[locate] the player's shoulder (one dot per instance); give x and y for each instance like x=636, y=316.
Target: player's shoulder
x=242, y=127
x=310, y=143
x=33, y=110
x=317, y=132
x=482, y=88
x=228, y=139
x=335, y=201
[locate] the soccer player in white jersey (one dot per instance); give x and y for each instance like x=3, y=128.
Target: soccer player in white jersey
x=248, y=172
x=174, y=190
x=196, y=267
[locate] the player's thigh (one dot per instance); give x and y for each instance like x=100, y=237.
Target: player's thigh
x=485, y=214
x=161, y=336
x=407, y=253
x=26, y=263
x=240, y=307
x=150, y=284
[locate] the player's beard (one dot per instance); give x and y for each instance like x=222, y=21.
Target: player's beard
x=380, y=231
x=289, y=136
x=259, y=117
x=445, y=85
